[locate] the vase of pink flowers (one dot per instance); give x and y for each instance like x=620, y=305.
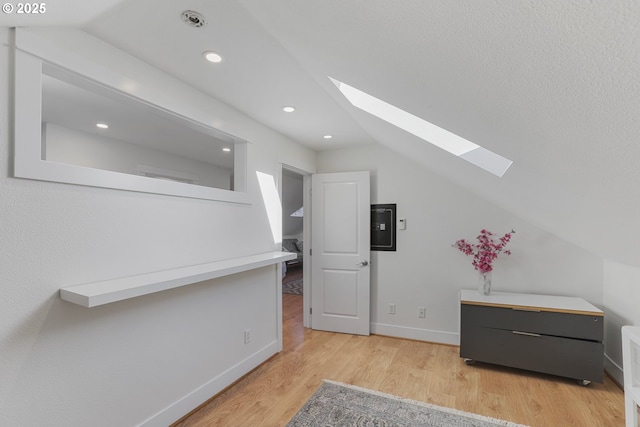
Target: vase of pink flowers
x=484, y=253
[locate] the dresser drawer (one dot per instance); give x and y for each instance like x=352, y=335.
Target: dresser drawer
x=571, y=358
x=581, y=326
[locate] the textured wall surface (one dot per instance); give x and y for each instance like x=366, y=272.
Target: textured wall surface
x=550, y=85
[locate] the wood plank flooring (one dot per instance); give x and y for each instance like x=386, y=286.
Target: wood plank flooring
x=434, y=373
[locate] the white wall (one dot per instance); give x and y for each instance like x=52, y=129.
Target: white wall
x=426, y=271
x=292, y=192
x=622, y=307
x=123, y=363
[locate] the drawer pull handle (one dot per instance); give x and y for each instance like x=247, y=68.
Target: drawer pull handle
x=533, y=310
x=529, y=334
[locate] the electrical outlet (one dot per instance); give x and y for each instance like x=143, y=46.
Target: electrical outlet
x=392, y=309
x=422, y=312
x=247, y=336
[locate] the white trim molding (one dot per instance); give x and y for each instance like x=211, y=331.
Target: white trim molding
x=418, y=334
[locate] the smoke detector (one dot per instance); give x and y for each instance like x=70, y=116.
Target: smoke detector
x=193, y=18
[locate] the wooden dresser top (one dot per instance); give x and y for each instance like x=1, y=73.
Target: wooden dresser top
x=530, y=302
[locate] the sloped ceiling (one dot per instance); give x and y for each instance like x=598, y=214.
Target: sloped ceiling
x=552, y=85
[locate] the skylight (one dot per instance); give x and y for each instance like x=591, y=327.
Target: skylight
x=442, y=138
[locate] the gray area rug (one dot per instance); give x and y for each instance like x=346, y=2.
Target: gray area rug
x=335, y=404
x=293, y=287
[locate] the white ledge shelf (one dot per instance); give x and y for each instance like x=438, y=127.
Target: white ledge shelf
x=108, y=291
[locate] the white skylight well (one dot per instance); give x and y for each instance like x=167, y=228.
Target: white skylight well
x=442, y=138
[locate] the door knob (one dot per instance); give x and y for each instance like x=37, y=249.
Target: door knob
x=363, y=263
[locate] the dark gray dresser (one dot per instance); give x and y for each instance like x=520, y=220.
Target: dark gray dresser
x=543, y=333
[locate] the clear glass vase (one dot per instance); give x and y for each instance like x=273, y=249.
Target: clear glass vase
x=484, y=283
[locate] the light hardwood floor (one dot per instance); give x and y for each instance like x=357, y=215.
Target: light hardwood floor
x=434, y=373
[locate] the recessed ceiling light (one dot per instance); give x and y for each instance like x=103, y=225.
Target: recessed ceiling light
x=226, y=149
x=442, y=138
x=288, y=109
x=328, y=136
x=212, y=57
x=102, y=125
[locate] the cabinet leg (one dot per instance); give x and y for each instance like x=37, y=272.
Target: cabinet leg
x=469, y=361
x=584, y=382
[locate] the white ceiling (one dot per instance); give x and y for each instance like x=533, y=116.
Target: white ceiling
x=553, y=85
x=258, y=75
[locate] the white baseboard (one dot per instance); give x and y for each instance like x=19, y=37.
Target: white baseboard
x=613, y=369
x=186, y=404
x=415, y=333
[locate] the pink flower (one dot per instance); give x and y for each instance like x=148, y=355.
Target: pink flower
x=486, y=250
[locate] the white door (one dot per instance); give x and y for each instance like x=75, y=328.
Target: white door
x=340, y=217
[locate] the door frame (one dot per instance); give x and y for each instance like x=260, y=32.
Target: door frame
x=307, y=238
x=306, y=256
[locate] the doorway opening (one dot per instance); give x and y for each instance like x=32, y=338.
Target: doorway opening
x=293, y=239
